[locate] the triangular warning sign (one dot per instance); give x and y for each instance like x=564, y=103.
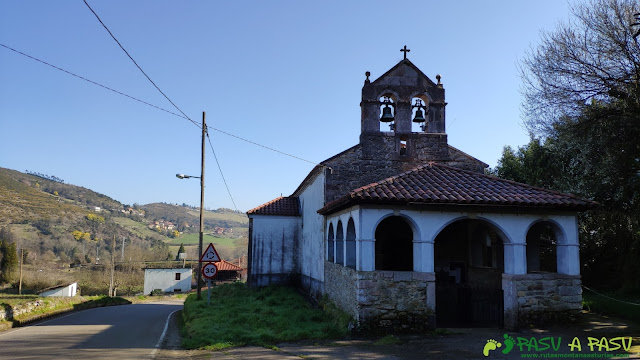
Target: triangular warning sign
x=210, y=255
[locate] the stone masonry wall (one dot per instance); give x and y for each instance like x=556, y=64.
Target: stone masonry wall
x=377, y=157
x=543, y=298
x=394, y=300
x=382, y=300
x=340, y=284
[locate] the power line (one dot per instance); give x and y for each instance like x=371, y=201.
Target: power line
x=93, y=82
x=220, y=169
x=138, y=66
x=165, y=110
x=269, y=148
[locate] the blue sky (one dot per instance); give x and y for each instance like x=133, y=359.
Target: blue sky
x=286, y=74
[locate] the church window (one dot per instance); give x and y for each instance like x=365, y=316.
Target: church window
x=351, y=244
x=339, y=244
x=541, y=248
x=394, y=245
x=403, y=147
x=330, y=244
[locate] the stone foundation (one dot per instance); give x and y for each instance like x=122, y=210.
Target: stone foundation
x=541, y=298
x=383, y=300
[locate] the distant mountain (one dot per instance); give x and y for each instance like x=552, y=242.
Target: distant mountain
x=181, y=214
x=72, y=224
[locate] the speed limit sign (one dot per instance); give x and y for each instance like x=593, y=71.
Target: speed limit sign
x=209, y=270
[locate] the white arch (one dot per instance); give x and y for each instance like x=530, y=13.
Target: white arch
x=501, y=232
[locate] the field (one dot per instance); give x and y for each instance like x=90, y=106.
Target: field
x=138, y=228
x=194, y=238
x=223, y=216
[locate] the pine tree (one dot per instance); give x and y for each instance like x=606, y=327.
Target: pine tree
x=9, y=263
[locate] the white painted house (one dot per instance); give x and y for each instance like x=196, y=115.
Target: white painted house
x=167, y=280
x=403, y=229
x=68, y=290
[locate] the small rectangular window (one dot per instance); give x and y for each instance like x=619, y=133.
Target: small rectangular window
x=177, y=276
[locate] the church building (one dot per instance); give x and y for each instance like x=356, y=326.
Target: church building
x=403, y=230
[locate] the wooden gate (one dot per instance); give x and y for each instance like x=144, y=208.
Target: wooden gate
x=462, y=305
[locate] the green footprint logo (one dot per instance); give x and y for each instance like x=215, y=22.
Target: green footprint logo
x=509, y=342
x=490, y=346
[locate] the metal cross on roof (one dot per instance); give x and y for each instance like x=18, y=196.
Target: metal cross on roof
x=405, y=51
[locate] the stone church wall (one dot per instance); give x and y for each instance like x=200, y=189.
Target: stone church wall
x=381, y=300
x=541, y=298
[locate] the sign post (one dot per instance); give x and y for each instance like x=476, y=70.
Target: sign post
x=209, y=270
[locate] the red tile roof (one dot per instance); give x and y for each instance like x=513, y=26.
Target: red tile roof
x=224, y=265
x=443, y=185
x=282, y=206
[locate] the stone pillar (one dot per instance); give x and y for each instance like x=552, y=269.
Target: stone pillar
x=366, y=260
x=423, y=256
x=403, y=117
x=568, y=257
x=510, y=298
x=515, y=258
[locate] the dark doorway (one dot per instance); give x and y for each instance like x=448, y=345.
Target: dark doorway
x=394, y=245
x=469, y=261
x=541, y=248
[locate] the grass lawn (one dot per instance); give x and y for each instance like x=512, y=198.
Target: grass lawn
x=602, y=305
x=239, y=316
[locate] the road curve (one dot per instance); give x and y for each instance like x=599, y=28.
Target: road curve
x=114, y=332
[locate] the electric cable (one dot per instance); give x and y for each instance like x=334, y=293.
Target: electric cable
x=93, y=82
x=220, y=169
x=138, y=66
x=165, y=110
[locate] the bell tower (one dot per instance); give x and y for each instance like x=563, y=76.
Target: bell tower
x=403, y=115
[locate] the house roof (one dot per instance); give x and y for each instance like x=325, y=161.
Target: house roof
x=224, y=265
x=439, y=184
x=281, y=206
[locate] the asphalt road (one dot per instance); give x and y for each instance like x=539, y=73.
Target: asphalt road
x=114, y=332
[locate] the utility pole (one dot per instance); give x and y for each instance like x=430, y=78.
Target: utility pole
x=199, y=277
x=113, y=266
x=21, y=261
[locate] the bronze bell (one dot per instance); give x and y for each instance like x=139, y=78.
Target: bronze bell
x=419, y=118
x=387, y=116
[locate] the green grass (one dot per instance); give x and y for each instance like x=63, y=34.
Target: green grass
x=241, y=316
x=602, y=305
x=210, y=215
x=194, y=238
x=13, y=299
x=138, y=228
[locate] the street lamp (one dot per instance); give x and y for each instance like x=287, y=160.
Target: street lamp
x=201, y=177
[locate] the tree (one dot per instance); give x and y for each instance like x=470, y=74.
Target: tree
x=9, y=262
x=180, y=250
x=593, y=57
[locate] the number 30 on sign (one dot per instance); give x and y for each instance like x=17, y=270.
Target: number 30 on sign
x=209, y=270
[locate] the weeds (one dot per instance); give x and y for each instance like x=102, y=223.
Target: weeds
x=243, y=316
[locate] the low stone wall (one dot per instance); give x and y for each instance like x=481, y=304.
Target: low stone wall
x=340, y=284
x=396, y=300
x=10, y=312
x=541, y=298
x=386, y=300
